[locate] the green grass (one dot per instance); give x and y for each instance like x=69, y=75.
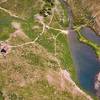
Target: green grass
x=49, y=45
x=41, y=90
x=66, y=56
x=63, y=51
x=90, y=43
x=34, y=59
x=1, y=96
x=5, y=25
x=65, y=23
x=23, y=8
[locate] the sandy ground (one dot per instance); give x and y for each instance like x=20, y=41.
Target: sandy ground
x=63, y=82
x=18, y=30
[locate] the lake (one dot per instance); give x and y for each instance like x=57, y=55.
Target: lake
x=85, y=61
x=84, y=57
x=90, y=35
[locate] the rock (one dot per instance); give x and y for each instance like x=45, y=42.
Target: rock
x=4, y=48
x=61, y=79
x=97, y=84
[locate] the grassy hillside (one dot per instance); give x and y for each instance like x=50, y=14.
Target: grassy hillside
x=23, y=71
x=86, y=12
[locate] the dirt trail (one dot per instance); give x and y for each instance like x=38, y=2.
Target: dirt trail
x=10, y=13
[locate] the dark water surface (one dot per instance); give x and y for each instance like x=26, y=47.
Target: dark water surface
x=85, y=60
x=90, y=35
x=86, y=63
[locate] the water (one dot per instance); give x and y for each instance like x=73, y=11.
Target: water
x=90, y=35
x=85, y=60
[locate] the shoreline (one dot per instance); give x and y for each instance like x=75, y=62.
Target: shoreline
x=71, y=27
x=91, y=44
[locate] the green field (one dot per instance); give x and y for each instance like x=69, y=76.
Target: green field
x=22, y=73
